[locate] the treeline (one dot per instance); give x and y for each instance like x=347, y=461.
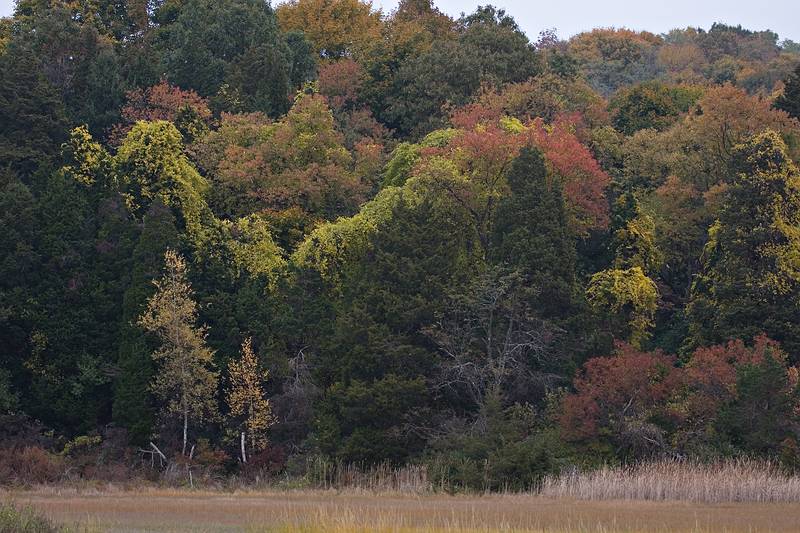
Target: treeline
x=253, y=236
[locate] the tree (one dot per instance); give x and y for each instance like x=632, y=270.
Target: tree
x=297, y=162
x=611, y=58
x=737, y=395
x=725, y=117
x=245, y=398
x=750, y=281
x=78, y=60
x=186, y=109
x=763, y=413
x=342, y=83
x=336, y=29
x=622, y=401
x=493, y=345
x=151, y=164
x=634, y=238
x=33, y=122
x=373, y=365
x=232, y=46
x=627, y=301
x=531, y=235
x=489, y=49
x=185, y=381
x=133, y=406
x=651, y=105
x=789, y=100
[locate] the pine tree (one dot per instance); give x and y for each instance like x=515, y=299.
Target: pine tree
x=185, y=382
x=32, y=118
x=245, y=398
x=531, y=234
x=789, y=101
x=133, y=405
x=750, y=282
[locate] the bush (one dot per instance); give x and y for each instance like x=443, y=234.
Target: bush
x=29, y=465
x=14, y=520
x=508, y=449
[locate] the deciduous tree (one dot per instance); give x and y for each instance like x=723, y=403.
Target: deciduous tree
x=185, y=382
x=246, y=399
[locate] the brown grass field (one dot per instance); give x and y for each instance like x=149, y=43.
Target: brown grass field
x=332, y=511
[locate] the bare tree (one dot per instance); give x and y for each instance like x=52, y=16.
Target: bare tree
x=490, y=340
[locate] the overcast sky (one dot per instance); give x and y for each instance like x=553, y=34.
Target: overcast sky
x=573, y=16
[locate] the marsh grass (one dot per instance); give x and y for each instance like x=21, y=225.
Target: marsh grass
x=735, y=480
x=668, y=496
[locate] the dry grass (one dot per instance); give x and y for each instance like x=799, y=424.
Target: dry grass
x=728, y=481
x=335, y=512
x=383, y=478
x=736, y=496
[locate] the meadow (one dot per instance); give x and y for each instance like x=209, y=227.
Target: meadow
x=667, y=496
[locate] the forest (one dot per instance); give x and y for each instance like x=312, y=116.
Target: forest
x=266, y=239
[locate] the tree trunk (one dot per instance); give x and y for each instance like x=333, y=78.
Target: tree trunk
x=244, y=455
x=185, y=431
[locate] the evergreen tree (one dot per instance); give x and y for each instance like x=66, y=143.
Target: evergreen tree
x=373, y=367
x=760, y=417
x=532, y=236
x=133, y=405
x=750, y=282
x=789, y=101
x=32, y=118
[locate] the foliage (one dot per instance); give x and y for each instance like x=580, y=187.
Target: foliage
x=133, y=406
x=531, y=235
x=750, y=263
x=622, y=400
x=425, y=224
x=31, y=113
x=26, y=520
x=336, y=29
x=651, y=105
x=212, y=47
x=245, y=398
x=186, y=109
x=300, y=161
x=627, y=298
x=641, y=403
x=150, y=164
x=789, y=100
x=509, y=451
x=486, y=50
x=184, y=381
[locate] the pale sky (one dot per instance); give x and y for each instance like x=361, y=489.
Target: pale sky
x=573, y=16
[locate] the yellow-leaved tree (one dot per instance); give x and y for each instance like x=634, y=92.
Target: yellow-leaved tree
x=246, y=401
x=185, y=381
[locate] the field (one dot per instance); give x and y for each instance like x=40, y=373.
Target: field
x=311, y=511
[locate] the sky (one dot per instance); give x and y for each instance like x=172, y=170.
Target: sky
x=569, y=17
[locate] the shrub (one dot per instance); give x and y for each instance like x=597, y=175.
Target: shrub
x=507, y=449
x=29, y=465
x=15, y=520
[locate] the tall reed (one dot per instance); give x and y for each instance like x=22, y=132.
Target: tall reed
x=734, y=480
